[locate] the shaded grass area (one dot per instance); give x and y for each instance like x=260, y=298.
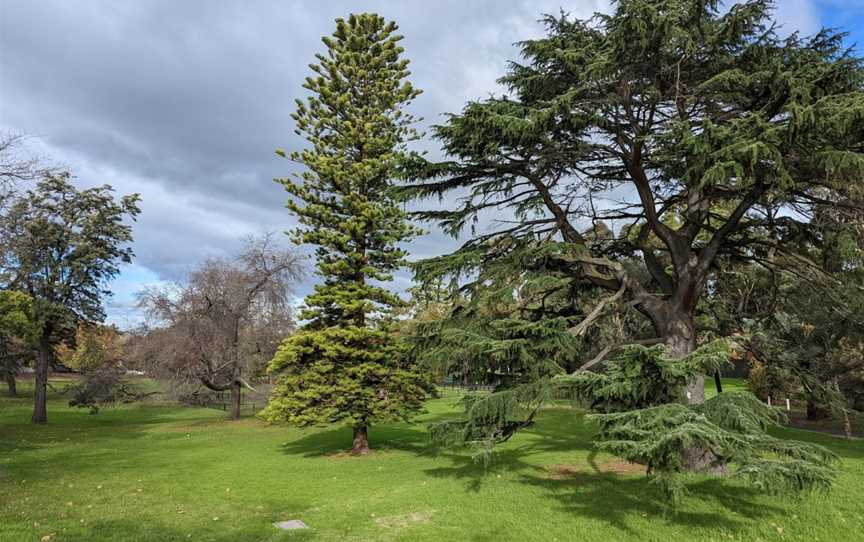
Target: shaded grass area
x=158, y=472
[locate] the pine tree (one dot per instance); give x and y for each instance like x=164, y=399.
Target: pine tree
x=345, y=365
x=690, y=130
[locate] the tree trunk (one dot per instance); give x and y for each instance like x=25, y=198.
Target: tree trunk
x=698, y=459
x=43, y=361
x=817, y=413
x=234, y=412
x=235, y=384
x=680, y=337
x=11, y=385
x=361, y=440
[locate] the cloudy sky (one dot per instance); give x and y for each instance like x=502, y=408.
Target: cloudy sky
x=185, y=102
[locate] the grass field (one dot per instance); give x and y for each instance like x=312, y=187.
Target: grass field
x=159, y=472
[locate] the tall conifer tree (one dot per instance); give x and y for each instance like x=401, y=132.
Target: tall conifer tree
x=344, y=365
x=688, y=138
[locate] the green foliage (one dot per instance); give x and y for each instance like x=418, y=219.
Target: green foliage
x=644, y=419
x=344, y=364
x=497, y=351
x=16, y=314
x=62, y=245
x=353, y=374
x=730, y=137
x=647, y=422
x=641, y=377
x=493, y=418
x=809, y=347
x=357, y=130
x=728, y=431
x=17, y=330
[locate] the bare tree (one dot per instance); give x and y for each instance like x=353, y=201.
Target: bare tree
x=17, y=165
x=227, y=319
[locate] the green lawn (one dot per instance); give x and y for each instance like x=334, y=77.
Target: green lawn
x=160, y=472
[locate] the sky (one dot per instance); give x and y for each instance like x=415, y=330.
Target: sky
x=186, y=102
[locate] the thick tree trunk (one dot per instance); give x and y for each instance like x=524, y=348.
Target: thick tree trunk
x=236, y=395
x=680, y=336
x=43, y=361
x=361, y=440
x=698, y=459
x=11, y=384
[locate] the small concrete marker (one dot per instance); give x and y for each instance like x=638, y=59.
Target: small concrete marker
x=290, y=525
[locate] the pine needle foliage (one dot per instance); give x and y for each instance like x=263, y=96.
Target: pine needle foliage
x=714, y=122
x=643, y=418
x=502, y=352
x=352, y=374
x=646, y=421
x=730, y=429
x=643, y=376
x=493, y=418
x=344, y=364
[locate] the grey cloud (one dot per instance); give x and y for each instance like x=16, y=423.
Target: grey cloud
x=186, y=101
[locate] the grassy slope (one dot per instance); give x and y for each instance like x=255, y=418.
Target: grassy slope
x=166, y=473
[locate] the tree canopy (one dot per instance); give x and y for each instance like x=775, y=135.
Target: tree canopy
x=639, y=151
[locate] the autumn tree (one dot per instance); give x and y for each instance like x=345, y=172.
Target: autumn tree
x=221, y=326
x=61, y=245
x=94, y=346
x=344, y=364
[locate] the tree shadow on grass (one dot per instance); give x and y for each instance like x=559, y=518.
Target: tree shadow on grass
x=515, y=456
x=619, y=499
x=558, y=432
